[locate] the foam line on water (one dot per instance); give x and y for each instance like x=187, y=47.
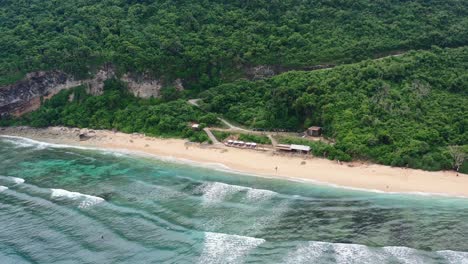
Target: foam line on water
x=407, y=255
x=357, y=254
x=312, y=252
x=23, y=141
x=3, y=188
x=17, y=180
x=14, y=180
x=214, y=192
x=86, y=200
x=19, y=144
x=259, y=194
x=316, y=252
x=454, y=257
x=224, y=248
x=86, y=223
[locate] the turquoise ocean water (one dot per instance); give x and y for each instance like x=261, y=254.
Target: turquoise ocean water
x=60, y=204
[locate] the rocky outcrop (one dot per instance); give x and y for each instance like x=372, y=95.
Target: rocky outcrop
x=95, y=86
x=147, y=87
x=260, y=72
x=25, y=96
x=143, y=86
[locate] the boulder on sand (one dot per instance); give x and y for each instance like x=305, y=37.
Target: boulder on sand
x=85, y=136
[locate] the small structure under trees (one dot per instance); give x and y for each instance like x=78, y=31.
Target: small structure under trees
x=314, y=131
x=293, y=148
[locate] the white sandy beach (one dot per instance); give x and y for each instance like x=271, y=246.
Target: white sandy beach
x=354, y=175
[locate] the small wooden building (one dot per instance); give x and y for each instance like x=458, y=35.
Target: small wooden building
x=283, y=147
x=300, y=148
x=314, y=131
x=195, y=127
x=293, y=148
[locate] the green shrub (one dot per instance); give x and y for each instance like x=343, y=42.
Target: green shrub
x=259, y=139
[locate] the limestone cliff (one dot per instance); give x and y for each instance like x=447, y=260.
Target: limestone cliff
x=25, y=95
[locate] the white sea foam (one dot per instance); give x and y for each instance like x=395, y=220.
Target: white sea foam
x=224, y=248
x=312, y=252
x=359, y=254
x=316, y=252
x=3, y=188
x=27, y=142
x=19, y=144
x=214, y=192
x=15, y=180
x=259, y=222
x=454, y=257
x=85, y=200
x=259, y=194
x=406, y=255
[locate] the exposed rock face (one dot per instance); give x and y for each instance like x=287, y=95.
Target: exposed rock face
x=143, y=87
x=147, y=87
x=25, y=95
x=178, y=84
x=95, y=86
x=260, y=72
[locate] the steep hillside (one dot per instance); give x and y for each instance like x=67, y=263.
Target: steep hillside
x=206, y=41
x=402, y=111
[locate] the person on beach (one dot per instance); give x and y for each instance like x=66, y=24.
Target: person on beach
x=276, y=169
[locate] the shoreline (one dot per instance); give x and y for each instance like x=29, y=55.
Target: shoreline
x=353, y=175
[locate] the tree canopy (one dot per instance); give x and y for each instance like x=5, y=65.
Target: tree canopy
x=207, y=41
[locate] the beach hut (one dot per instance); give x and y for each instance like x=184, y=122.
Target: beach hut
x=293, y=148
x=314, y=131
x=283, y=147
x=300, y=148
x=196, y=127
x=254, y=145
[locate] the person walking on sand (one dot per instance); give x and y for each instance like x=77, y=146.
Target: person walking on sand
x=276, y=169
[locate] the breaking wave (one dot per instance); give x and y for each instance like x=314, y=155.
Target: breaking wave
x=454, y=256
x=224, y=248
x=85, y=200
x=215, y=192
x=20, y=144
x=15, y=180
x=259, y=194
x=325, y=252
x=3, y=188
x=27, y=142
